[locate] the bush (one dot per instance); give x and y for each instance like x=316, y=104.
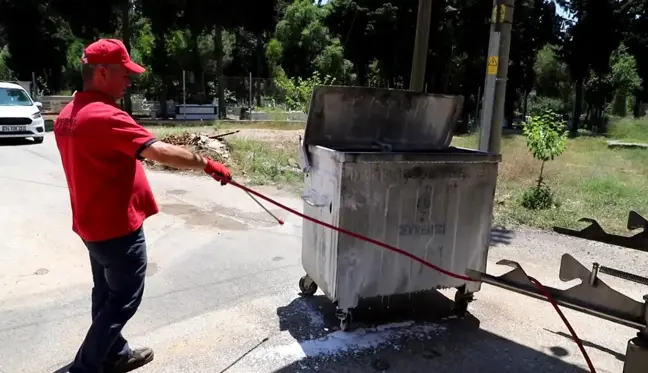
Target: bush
x=539, y=197
x=296, y=92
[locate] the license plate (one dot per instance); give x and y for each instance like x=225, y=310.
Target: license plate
x=13, y=128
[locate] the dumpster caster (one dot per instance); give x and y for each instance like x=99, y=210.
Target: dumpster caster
x=307, y=286
x=345, y=319
x=462, y=299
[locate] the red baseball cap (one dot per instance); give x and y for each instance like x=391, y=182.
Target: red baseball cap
x=110, y=52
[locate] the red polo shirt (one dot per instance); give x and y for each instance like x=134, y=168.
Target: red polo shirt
x=100, y=148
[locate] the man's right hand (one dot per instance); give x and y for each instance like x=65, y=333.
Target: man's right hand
x=218, y=171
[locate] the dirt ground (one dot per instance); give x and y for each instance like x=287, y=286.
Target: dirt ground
x=202, y=143
x=274, y=136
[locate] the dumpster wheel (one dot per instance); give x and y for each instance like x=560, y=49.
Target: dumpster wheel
x=345, y=318
x=307, y=286
x=462, y=299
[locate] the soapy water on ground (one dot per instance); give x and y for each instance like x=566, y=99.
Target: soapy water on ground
x=309, y=340
x=359, y=340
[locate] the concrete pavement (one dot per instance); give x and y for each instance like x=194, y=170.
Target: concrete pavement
x=223, y=279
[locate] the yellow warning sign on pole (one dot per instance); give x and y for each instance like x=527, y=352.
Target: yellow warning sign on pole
x=498, y=14
x=493, y=65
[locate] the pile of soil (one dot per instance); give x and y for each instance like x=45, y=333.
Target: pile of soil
x=198, y=143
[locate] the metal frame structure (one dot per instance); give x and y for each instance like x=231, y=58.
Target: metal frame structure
x=592, y=296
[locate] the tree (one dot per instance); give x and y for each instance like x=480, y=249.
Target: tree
x=636, y=39
x=5, y=72
x=546, y=137
x=535, y=25
x=624, y=78
x=163, y=19
x=303, y=36
x=552, y=75
x=87, y=19
x=33, y=20
x=348, y=21
x=552, y=89
x=552, y=65
x=331, y=62
x=580, y=53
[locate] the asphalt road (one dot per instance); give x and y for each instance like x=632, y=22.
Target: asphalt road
x=222, y=292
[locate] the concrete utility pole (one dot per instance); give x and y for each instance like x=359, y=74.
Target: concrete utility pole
x=419, y=62
x=126, y=38
x=492, y=117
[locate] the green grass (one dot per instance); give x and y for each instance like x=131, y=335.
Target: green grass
x=629, y=129
x=265, y=163
x=589, y=179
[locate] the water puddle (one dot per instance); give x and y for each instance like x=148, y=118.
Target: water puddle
x=218, y=217
x=199, y=217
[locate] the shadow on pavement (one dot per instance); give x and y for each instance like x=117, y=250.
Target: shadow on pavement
x=501, y=236
x=434, y=340
x=619, y=356
x=16, y=142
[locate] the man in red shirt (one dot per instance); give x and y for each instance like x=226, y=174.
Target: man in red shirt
x=101, y=147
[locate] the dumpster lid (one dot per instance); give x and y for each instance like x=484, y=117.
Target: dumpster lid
x=372, y=118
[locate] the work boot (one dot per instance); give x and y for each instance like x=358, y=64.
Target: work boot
x=136, y=359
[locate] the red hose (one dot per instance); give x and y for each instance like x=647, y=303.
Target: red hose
x=577, y=340
x=543, y=290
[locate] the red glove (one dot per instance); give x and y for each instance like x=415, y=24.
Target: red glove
x=218, y=171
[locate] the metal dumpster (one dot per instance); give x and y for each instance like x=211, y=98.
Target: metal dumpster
x=377, y=162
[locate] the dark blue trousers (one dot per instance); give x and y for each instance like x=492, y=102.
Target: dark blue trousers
x=118, y=270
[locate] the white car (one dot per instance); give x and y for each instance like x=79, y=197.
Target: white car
x=20, y=116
